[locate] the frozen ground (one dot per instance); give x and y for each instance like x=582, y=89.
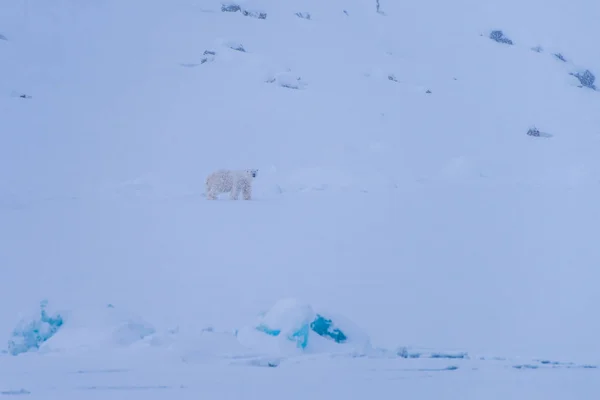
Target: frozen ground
x=155, y=377
x=463, y=248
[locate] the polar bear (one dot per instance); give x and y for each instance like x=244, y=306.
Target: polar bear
x=232, y=181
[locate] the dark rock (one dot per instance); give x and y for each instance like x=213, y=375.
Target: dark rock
x=255, y=14
x=533, y=132
x=230, y=8
x=586, y=79
x=303, y=15
x=238, y=47
x=499, y=37
x=560, y=57
x=210, y=56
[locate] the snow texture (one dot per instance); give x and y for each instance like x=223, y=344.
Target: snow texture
x=428, y=194
x=101, y=327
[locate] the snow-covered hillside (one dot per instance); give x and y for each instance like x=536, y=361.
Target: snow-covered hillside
x=399, y=195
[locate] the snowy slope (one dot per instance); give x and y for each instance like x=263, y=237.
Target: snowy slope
x=429, y=220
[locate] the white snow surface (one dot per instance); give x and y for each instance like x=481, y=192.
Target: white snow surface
x=459, y=253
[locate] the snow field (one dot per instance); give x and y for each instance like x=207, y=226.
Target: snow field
x=429, y=220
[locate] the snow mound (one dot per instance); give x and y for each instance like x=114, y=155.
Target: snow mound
x=107, y=327
x=291, y=327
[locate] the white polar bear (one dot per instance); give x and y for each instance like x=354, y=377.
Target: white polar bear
x=232, y=181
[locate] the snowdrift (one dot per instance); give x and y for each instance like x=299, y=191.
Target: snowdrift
x=58, y=331
x=293, y=327
x=290, y=327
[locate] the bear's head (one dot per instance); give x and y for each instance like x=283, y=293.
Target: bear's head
x=252, y=172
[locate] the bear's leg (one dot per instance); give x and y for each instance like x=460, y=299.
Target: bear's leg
x=209, y=189
x=235, y=191
x=247, y=192
x=210, y=192
x=210, y=195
